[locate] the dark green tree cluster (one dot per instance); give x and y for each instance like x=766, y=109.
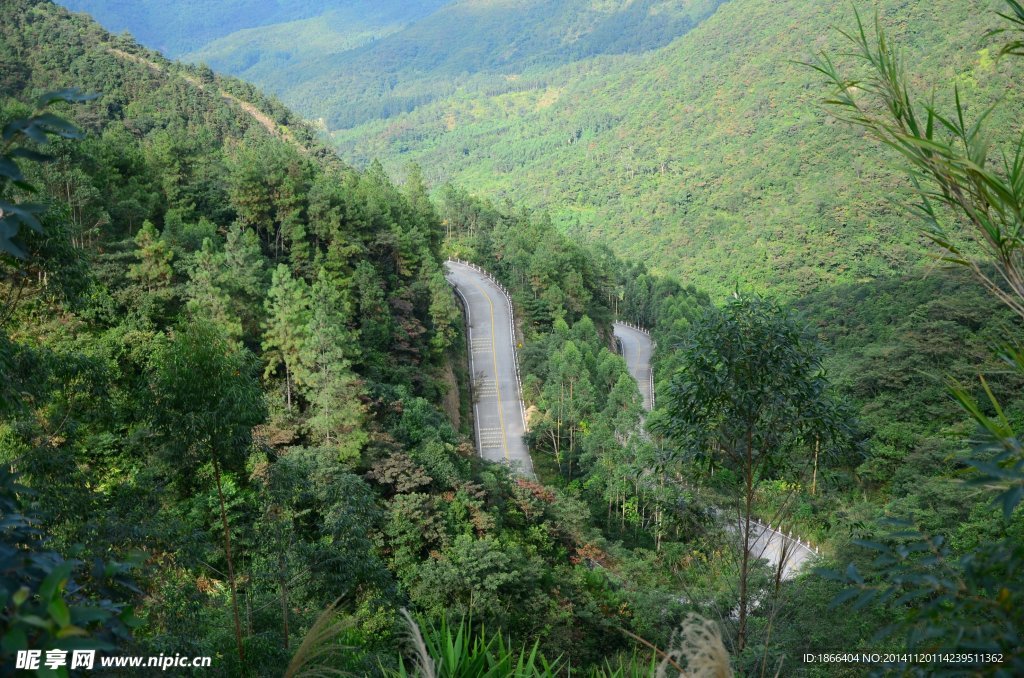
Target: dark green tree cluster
x=206, y=334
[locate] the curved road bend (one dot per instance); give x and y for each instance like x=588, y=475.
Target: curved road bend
x=773, y=546
x=767, y=543
x=497, y=404
x=637, y=349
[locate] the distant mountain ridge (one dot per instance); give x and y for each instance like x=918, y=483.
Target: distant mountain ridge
x=710, y=158
x=478, y=41
x=354, y=61
x=680, y=132
x=179, y=27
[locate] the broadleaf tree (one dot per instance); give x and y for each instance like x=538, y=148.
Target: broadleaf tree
x=751, y=389
x=207, y=398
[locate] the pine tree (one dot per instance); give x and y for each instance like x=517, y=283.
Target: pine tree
x=333, y=390
x=285, y=332
x=244, y=275
x=444, y=314
x=377, y=325
x=207, y=297
x=427, y=220
x=154, y=268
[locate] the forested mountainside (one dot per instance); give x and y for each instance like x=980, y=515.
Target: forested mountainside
x=230, y=399
x=712, y=153
x=483, y=44
x=359, y=62
x=181, y=27
x=235, y=422
x=281, y=55
x=711, y=158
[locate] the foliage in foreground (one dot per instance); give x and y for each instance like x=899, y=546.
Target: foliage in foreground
x=973, y=210
x=446, y=650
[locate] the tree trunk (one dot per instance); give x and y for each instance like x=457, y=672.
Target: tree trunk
x=288, y=384
x=231, y=564
x=282, y=573
x=741, y=640
x=572, y=447
x=814, y=475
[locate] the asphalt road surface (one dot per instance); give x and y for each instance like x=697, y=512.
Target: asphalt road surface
x=773, y=546
x=766, y=543
x=637, y=349
x=497, y=403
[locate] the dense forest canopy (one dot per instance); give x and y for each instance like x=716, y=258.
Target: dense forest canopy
x=711, y=158
x=701, y=144
x=359, y=62
x=231, y=369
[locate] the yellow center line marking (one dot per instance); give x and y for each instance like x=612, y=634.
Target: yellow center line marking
x=497, y=379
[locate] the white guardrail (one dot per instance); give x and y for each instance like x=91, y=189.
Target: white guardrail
x=654, y=344
x=512, y=330
x=805, y=544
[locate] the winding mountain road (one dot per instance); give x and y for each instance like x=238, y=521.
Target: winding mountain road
x=766, y=542
x=775, y=547
x=499, y=415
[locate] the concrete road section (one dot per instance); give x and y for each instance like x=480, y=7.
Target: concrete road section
x=499, y=415
x=636, y=349
x=775, y=547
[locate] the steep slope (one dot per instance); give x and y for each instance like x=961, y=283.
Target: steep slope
x=197, y=247
x=354, y=61
x=710, y=158
x=221, y=363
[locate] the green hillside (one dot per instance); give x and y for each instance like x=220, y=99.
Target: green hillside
x=711, y=157
x=708, y=155
x=485, y=42
x=268, y=54
x=237, y=398
x=176, y=28
x=353, y=61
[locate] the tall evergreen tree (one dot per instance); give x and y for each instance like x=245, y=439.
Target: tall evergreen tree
x=285, y=333
x=154, y=268
x=207, y=295
x=332, y=389
x=245, y=275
